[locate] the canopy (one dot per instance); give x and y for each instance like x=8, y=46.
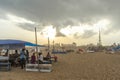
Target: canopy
x=15, y=44
x=117, y=48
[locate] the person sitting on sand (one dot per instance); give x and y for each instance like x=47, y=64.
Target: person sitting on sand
x=33, y=58
x=40, y=58
x=48, y=56
x=55, y=58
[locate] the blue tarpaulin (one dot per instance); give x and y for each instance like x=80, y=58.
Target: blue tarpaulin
x=116, y=48
x=13, y=44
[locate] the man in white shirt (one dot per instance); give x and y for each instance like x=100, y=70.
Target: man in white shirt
x=40, y=58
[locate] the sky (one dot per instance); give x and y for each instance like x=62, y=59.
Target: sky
x=64, y=21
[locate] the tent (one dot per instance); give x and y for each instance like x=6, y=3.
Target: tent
x=117, y=48
x=15, y=44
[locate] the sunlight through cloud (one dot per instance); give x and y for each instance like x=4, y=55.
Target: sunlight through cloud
x=49, y=31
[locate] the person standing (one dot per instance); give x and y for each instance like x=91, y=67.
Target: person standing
x=27, y=56
x=22, y=58
x=16, y=55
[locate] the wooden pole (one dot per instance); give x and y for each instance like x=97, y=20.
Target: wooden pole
x=37, y=48
x=36, y=40
x=48, y=44
x=53, y=46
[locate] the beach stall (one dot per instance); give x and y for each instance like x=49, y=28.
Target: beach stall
x=8, y=45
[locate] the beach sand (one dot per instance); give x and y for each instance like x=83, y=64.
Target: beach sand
x=72, y=66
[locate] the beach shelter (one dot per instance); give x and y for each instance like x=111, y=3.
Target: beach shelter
x=15, y=44
x=117, y=48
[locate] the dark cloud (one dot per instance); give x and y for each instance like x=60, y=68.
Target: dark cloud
x=69, y=22
x=27, y=26
x=61, y=13
x=88, y=34
x=85, y=35
x=59, y=34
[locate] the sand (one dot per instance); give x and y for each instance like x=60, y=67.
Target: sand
x=72, y=66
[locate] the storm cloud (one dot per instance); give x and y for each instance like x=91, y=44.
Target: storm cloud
x=61, y=13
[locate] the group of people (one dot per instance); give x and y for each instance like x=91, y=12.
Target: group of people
x=24, y=58
x=41, y=58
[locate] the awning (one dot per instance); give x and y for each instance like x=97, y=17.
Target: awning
x=15, y=44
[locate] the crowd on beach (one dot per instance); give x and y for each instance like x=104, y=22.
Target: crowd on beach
x=23, y=57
